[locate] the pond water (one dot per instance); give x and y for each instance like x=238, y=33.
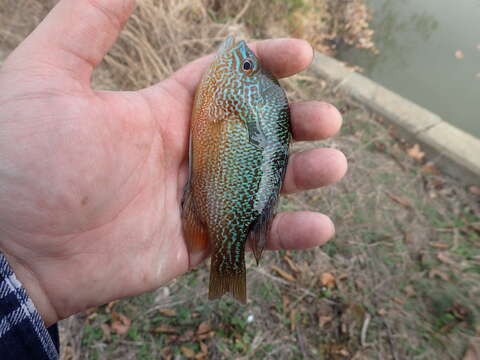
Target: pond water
x=429, y=52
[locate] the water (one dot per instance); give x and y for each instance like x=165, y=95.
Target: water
x=419, y=42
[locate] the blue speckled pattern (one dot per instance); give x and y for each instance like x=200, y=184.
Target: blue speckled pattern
x=240, y=132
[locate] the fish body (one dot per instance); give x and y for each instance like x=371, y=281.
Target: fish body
x=239, y=139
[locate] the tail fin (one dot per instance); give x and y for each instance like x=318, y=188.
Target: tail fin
x=228, y=282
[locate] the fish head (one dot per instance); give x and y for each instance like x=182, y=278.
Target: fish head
x=240, y=79
x=238, y=59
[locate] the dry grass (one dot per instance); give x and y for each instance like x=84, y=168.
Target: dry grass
x=399, y=281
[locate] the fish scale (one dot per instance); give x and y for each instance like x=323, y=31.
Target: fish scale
x=239, y=138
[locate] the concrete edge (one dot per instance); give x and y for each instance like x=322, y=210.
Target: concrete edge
x=452, y=150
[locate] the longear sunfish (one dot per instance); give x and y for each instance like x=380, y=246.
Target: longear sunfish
x=239, y=139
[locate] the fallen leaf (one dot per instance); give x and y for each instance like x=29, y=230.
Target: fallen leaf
x=409, y=290
x=166, y=353
x=164, y=329
x=324, y=320
x=344, y=353
x=459, y=54
x=285, y=302
x=187, y=336
x=399, y=301
x=449, y=326
x=189, y=353
x=382, y=312
x=445, y=258
x=283, y=273
x=439, y=245
x=107, y=335
x=475, y=190
x=110, y=306
x=459, y=312
x=171, y=339
x=168, y=312
x=415, y=152
x=92, y=316
x=204, y=328
x=91, y=311
x=409, y=238
x=120, y=323
x=67, y=352
x=293, y=319
x=203, y=352
x=435, y=272
x=119, y=327
x=438, y=183
x=291, y=264
x=475, y=226
x=428, y=168
x=405, y=202
x=327, y=279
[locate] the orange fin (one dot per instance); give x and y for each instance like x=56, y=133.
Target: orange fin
x=194, y=231
x=231, y=282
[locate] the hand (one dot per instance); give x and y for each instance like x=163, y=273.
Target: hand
x=91, y=181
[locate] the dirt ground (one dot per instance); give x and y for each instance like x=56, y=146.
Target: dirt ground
x=401, y=278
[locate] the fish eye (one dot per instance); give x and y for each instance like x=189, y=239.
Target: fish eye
x=247, y=66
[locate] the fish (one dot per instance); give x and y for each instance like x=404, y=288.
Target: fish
x=240, y=133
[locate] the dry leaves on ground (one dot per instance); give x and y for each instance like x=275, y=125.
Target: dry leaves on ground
x=327, y=279
x=400, y=200
x=284, y=274
x=120, y=323
x=415, y=153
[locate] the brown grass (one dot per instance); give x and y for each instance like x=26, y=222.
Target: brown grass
x=404, y=262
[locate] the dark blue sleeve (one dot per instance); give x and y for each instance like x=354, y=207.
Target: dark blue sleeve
x=23, y=334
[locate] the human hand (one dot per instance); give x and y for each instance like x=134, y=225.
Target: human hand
x=91, y=181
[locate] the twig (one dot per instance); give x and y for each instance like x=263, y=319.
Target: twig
x=239, y=15
x=305, y=355
x=363, y=334
x=390, y=340
x=270, y=276
x=243, y=11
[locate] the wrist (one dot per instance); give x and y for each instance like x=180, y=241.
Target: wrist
x=34, y=290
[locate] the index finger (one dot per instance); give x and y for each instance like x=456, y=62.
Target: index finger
x=283, y=57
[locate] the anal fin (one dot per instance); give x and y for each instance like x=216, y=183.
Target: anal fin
x=259, y=231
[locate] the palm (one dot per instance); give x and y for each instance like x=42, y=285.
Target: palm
x=100, y=171
x=91, y=182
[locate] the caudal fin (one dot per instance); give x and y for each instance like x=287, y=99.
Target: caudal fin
x=233, y=282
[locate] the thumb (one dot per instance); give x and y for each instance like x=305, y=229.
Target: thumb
x=74, y=37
